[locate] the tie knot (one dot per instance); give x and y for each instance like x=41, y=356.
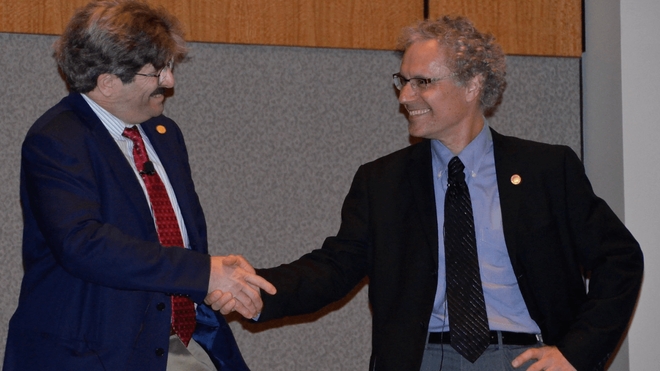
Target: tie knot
x=132, y=133
x=456, y=174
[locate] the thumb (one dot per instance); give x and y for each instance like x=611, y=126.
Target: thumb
x=230, y=260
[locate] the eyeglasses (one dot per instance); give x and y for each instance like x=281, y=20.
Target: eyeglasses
x=416, y=83
x=169, y=66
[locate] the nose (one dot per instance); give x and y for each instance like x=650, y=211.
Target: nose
x=407, y=94
x=167, y=78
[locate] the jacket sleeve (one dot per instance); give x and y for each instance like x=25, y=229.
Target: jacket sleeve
x=327, y=274
x=613, y=266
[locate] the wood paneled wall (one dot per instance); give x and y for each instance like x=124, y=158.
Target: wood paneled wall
x=359, y=24
x=523, y=27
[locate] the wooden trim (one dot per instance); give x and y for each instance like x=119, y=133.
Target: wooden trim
x=360, y=24
x=523, y=27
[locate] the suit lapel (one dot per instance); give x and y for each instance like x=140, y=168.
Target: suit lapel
x=510, y=185
x=118, y=166
x=420, y=174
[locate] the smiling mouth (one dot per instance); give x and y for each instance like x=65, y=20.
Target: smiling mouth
x=157, y=92
x=418, y=112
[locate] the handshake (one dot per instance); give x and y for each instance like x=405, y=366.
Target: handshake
x=234, y=286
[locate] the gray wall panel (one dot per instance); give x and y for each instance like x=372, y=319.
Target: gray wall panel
x=275, y=135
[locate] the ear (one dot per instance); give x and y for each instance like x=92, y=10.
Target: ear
x=473, y=88
x=106, y=84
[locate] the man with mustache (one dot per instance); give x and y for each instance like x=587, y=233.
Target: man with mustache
x=115, y=243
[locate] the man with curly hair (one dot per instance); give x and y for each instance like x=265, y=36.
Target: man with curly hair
x=528, y=219
x=115, y=245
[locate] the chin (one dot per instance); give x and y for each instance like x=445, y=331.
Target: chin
x=157, y=110
x=415, y=130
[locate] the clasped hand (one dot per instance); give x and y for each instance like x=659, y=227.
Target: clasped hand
x=234, y=286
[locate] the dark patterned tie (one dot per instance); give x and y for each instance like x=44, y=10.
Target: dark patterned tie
x=169, y=234
x=468, y=322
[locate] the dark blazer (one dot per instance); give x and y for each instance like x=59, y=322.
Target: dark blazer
x=555, y=229
x=95, y=294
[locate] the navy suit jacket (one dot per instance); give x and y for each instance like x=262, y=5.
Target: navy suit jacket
x=555, y=229
x=97, y=284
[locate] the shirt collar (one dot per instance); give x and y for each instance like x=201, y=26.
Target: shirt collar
x=471, y=156
x=114, y=125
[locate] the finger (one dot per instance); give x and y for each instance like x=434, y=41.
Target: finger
x=230, y=260
x=245, y=306
x=238, y=261
x=261, y=283
x=549, y=358
x=250, y=299
x=223, y=303
x=213, y=296
x=243, y=263
x=243, y=311
x=229, y=307
x=525, y=356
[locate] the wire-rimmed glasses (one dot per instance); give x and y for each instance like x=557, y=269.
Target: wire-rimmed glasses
x=169, y=66
x=416, y=83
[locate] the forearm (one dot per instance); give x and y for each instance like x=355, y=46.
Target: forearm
x=312, y=282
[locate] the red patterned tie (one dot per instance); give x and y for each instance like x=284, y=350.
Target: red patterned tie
x=169, y=234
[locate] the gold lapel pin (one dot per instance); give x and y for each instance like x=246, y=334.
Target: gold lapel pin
x=161, y=129
x=515, y=179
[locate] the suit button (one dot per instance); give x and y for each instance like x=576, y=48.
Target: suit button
x=160, y=307
x=160, y=352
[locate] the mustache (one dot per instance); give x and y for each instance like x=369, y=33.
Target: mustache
x=159, y=90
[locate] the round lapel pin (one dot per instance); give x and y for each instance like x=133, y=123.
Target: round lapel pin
x=161, y=129
x=515, y=179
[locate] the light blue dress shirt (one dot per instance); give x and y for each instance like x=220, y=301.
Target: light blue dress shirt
x=504, y=303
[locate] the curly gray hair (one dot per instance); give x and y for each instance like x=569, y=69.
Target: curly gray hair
x=470, y=53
